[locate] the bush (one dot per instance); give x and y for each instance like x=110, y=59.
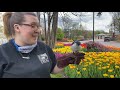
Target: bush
x=96, y=47
x=118, y=38
x=60, y=34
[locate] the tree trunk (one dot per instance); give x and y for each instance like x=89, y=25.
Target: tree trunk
x=54, y=28
x=46, y=36
x=49, y=23
x=50, y=17
x=38, y=15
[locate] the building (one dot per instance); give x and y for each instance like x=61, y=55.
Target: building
x=101, y=36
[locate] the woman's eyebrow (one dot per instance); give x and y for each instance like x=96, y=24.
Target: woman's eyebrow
x=34, y=22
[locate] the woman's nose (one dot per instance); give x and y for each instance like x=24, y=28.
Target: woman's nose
x=37, y=30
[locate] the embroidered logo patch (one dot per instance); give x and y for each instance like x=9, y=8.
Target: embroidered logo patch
x=43, y=58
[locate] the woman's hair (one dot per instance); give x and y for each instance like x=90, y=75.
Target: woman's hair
x=11, y=18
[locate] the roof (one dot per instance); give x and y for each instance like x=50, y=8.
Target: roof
x=101, y=34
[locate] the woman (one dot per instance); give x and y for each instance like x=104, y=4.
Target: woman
x=24, y=56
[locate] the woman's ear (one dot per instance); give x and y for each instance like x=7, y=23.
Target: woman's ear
x=16, y=27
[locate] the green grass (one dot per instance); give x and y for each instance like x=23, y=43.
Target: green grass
x=59, y=75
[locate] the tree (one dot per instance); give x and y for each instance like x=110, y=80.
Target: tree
x=115, y=24
x=50, y=14
x=75, y=25
x=60, y=34
x=54, y=28
x=80, y=15
x=50, y=27
x=38, y=15
x=45, y=31
x=66, y=21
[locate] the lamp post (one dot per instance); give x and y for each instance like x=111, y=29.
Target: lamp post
x=93, y=27
x=98, y=14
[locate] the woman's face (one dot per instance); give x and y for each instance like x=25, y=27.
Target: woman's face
x=29, y=30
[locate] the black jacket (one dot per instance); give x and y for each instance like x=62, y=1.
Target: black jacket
x=40, y=65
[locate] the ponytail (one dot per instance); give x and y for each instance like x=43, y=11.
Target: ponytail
x=6, y=23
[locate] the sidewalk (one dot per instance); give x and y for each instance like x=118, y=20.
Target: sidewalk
x=111, y=43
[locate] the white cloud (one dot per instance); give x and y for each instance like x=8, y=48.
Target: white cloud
x=100, y=23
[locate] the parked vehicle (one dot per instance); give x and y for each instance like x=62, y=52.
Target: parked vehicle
x=107, y=38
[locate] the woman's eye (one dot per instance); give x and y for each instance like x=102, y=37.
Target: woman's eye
x=33, y=26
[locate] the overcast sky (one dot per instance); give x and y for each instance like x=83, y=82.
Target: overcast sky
x=100, y=23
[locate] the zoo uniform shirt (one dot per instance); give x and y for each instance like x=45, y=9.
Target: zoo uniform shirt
x=40, y=65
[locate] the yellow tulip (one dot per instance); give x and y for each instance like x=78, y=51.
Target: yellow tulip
x=107, y=66
x=84, y=69
x=105, y=75
x=97, y=63
x=111, y=76
x=110, y=70
x=117, y=67
x=78, y=72
x=104, y=67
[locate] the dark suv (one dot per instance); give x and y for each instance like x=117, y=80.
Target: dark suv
x=107, y=39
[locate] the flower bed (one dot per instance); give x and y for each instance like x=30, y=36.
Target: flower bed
x=97, y=47
x=100, y=61
x=96, y=65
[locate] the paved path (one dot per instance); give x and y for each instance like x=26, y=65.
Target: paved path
x=111, y=43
